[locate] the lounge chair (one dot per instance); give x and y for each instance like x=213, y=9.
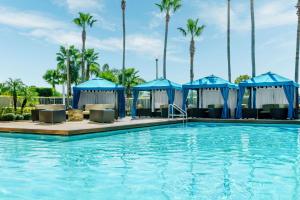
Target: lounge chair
x=143, y=112
x=215, y=111
x=280, y=113
x=265, y=113
x=197, y=112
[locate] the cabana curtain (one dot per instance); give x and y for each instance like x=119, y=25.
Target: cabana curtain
x=289, y=91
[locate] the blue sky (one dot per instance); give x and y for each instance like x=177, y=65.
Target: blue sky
x=32, y=30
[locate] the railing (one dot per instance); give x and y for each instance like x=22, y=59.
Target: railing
x=172, y=114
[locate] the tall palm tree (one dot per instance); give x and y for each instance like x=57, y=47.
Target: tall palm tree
x=166, y=7
x=252, y=38
x=84, y=20
x=228, y=40
x=123, y=6
x=297, y=44
x=91, y=58
x=68, y=61
x=52, y=77
x=193, y=30
x=14, y=87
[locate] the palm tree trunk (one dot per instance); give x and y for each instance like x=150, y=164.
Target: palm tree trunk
x=228, y=41
x=123, y=5
x=68, y=78
x=82, y=56
x=297, y=49
x=192, y=54
x=253, y=38
x=165, y=46
x=88, y=72
x=297, y=59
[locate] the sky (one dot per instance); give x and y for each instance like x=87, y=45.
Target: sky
x=31, y=32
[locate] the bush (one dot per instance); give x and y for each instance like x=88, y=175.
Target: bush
x=27, y=116
x=44, y=92
x=19, y=117
x=8, y=117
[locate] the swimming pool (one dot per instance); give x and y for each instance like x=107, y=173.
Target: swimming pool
x=193, y=161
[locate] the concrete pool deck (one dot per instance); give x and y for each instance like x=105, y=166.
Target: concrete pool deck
x=85, y=127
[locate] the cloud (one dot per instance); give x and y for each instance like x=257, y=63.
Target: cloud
x=81, y=5
x=268, y=14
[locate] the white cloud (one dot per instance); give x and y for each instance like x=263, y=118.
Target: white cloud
x=81, y=5
x=268, y=14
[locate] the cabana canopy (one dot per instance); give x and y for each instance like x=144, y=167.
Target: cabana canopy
x=211, y=82
x=158, y=84
x=269, y=79
x=99, y=85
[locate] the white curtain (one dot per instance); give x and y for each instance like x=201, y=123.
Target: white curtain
x=232, y=101
x=270, y=95
x=160, y=97
x=178, y=98
x=97, y=97
x=212, y=96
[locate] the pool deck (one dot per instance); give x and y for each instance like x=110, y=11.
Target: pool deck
x=85, y=127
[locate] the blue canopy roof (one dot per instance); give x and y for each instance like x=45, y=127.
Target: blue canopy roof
x=209, y=82
x=98, y=84
x=158, y=84
x=268, y=79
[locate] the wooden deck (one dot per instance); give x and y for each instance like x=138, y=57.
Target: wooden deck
x=85, y=127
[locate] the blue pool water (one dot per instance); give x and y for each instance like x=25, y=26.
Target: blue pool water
x=196, y=161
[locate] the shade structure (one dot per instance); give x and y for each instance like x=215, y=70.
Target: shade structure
x=99, y=85
x=268, y=80
x=208, y=83
x=158, y=84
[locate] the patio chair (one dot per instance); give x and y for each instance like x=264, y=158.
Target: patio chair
x=215, y=111
x=265, y=113
x=52, y=116
x=280, y=113
x=102, y=116
x=197, y=112
x=36, y=112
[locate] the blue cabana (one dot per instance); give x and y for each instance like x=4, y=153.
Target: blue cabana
x=209, y=83
x=268, y=80
x=97, y=86
x=158, y=84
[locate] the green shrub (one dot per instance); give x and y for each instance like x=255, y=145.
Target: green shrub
x=27, y=116
x=19, y=117
x=44, y=92
x=8, y=117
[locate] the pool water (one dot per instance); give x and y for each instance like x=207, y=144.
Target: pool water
x=193, y=161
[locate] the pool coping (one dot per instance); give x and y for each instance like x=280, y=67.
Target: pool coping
x=140, y=124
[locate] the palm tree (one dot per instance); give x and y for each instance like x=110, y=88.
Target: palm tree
x=52, y=77
x=68, y=61
x=131, y=79
x=194, y=30
x=297, y=44
x=228, y=40
x=166, y=7
x=84, y=20
x=91, y=58
x=14, y=86
x=252, y=38
x=28, y=94
x=123, y=6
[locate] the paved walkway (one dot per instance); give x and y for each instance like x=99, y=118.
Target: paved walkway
x=75, y=128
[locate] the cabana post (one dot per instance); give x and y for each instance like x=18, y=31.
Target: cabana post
x=100, y=85
x=206, y=84
x=152, y=87
x=273, y=83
